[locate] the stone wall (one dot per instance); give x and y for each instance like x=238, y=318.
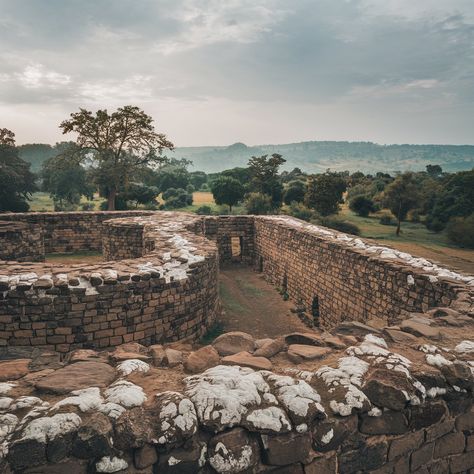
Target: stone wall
x=21, y=241
x=166, y=292
x=70, y=231
x=344, y=278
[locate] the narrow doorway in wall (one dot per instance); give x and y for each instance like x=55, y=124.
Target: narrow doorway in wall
x=236, y=248
x=315, y=311
x=260, y=264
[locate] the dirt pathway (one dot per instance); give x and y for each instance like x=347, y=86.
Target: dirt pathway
x=252, y=305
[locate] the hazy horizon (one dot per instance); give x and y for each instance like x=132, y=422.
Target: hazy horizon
x=260, y=72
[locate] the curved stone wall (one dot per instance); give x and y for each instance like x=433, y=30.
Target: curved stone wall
x=164, y=292
x=21, y=241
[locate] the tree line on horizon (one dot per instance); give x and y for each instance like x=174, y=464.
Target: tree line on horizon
x=122, y=157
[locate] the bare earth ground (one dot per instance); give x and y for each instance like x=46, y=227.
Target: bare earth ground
x=252, y=305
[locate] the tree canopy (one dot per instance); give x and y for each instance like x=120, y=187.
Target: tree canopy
x=325, y=192
x=227, y=190
x=120, y=143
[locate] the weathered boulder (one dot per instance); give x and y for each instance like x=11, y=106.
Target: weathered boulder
x=233, y=451
x=389, y=422
x=77, y=376
x=233, y=342
x=13, y=369
x=201, y=359
x=298, y=353
x=145, y=456
x=93, y=438
x=158, y=355
x=286, y=449
x=270, y=348
x=245, y=359
x=306, y=338
x=419, y=329
x=173, y=357
x=400, y=337
x=355, y=328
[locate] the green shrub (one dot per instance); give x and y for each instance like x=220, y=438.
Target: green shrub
x=362, y=205
x=341, y=225
x=460, y=231
x=300, y=211
x=258, y=203
x=87, y=206
x=387, y=219
x=204, y=210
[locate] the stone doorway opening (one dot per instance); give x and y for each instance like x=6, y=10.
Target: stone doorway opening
x=315, y=311
x=236, y=248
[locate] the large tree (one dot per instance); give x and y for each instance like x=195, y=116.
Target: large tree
x=324, y=193
x=17, y=182
x=64, y=178
x=400, y=196
x=121, y=143
x=264, y=177
x=227, y=190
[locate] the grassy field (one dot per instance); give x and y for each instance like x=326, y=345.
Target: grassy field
x=42, y=202
x=415, y=237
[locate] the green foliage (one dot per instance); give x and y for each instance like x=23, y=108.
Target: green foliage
x=64, y=178
x=243, y=175
x=264, y=177
x=300, y=211
x=177, y=198
x=121, y=142
x=138, y=193
x=295, y=192
x=258, y=203
x=324, y=193
x=204, y=210
x=387, y=219
x=190, y=188
x=400, y=196
x=460, y=231
x=227, y=190
x=455, y=199
x=362, y=205
x=340, y=225
x=37, y=154
x=198, y=179
x=434, y=171
x=17, y=182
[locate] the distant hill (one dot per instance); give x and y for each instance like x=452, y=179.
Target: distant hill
x=312, y=157
x=317, y=156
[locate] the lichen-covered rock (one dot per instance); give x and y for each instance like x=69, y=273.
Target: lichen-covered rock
x=224, y=395
x=234, y=342
x=286, y=449
x=270, y=348
x=125, y=393
x=188, y=460
x=129, y=366
x=233, y=451
x=174, y=418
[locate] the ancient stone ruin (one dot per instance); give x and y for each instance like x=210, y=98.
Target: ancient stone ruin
x=103, y=369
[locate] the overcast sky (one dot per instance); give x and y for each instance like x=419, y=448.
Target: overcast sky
x=213, y=72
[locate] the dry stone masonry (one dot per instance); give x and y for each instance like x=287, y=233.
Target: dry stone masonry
x=103, y=371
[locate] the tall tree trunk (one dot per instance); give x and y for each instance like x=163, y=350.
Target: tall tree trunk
x=230, y=208
x=399, y=218
x=111, y=200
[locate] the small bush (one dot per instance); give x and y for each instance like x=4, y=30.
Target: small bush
x=460, y=231
x=340, y=225
x=258, y=203
x=362, y=205
x=204, y=210
x=387, y=219
x=169, y=193
x=87, y=206
x=204, y=187
x=190, y=189
x=300, y=211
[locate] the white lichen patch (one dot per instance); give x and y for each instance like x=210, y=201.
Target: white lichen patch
x=437, y=360
x=223, y=395
x=28, y=402
x=125, y=393
x=326, y=438
x=132, y=365
x=172, y=461
x=378, y=341
x=428, y=348
x=226, y=461
x=348, y=378
x=112, y=410
x=86, y=399
x=465, y=347
x=5, y=387
x=177, y=417
x=435, y=391
x=296, y=396
x=5, y=403
x=48, y=428
x=8, y=423
x=111, y=464
x=269, y=419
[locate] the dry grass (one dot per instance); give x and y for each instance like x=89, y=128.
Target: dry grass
x=202, y=197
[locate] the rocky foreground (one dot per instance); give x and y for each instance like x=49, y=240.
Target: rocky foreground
x=358, y=399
